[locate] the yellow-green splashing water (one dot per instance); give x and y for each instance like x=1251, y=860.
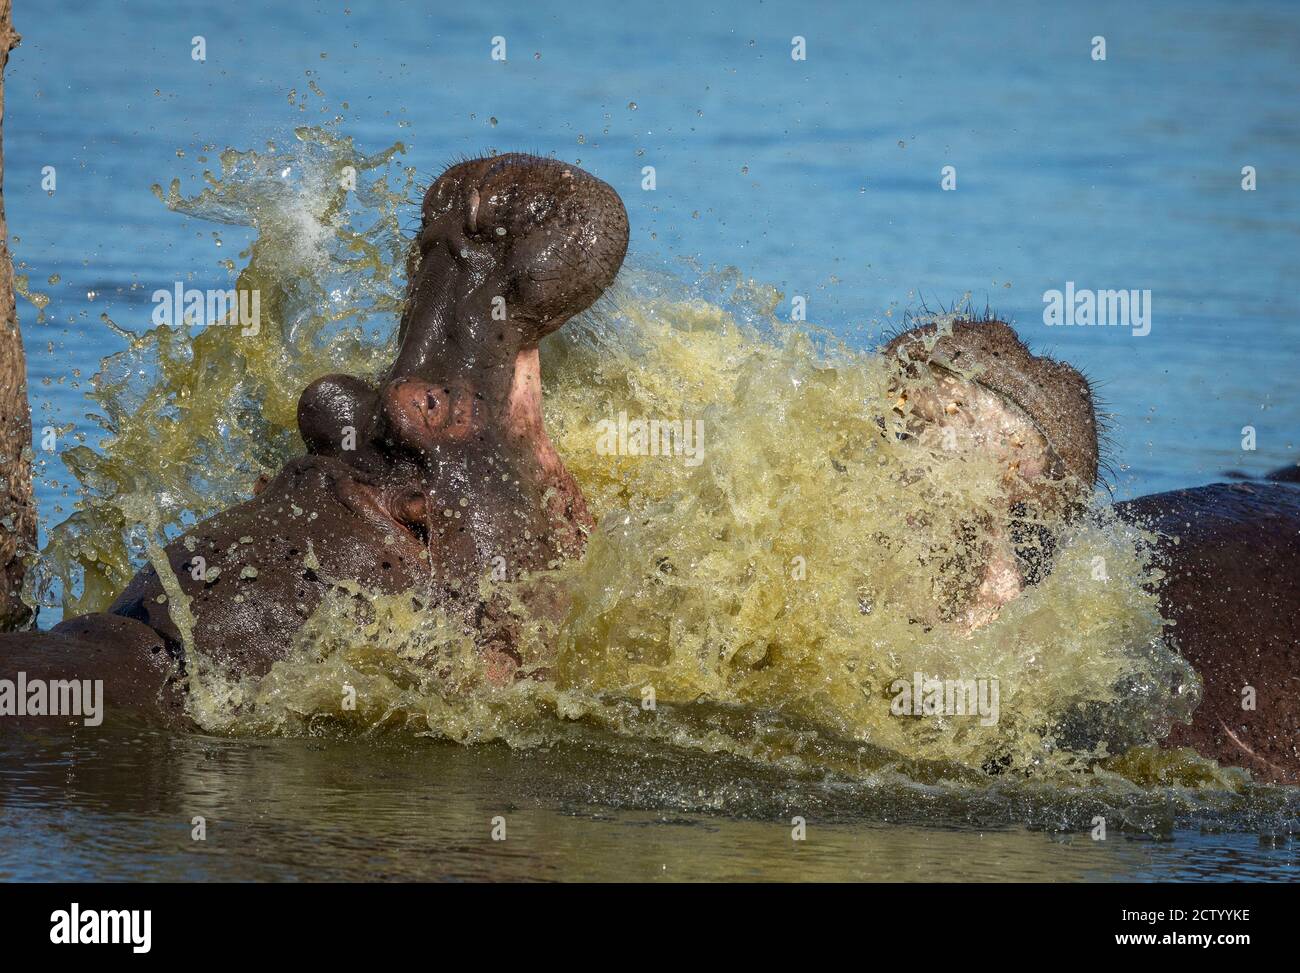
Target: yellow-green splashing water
x=760, y=602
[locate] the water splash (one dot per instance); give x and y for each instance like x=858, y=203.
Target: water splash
x=686, y=596
x=192, y=416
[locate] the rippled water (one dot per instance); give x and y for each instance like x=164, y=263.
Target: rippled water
x=121, y=805
x=819, y=177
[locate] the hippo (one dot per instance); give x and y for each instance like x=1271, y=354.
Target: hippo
x=1230, y=552
x=443, y=471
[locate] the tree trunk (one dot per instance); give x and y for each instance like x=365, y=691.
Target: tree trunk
x=17, y=508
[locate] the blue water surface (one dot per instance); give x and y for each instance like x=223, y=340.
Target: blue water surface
x=820, y=176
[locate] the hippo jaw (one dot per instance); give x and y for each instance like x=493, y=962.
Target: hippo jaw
x=982, y=392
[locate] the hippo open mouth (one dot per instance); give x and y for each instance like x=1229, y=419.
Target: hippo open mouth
x=974, y=389
x=442, y=470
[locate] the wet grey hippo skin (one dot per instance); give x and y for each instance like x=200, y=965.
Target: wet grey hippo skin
x=452, y=468
x=1233, y=595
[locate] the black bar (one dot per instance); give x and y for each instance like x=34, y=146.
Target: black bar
x=907, y=922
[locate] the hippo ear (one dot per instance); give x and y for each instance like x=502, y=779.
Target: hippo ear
x=334, y=411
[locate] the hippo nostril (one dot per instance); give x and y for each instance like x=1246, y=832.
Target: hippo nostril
x=471, y=216
x=432, y=401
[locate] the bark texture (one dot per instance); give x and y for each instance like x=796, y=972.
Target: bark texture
x=17, y=507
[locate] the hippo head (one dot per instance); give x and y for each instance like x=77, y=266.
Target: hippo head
x=976, y=389
x=510, y=247
x=440, y=472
